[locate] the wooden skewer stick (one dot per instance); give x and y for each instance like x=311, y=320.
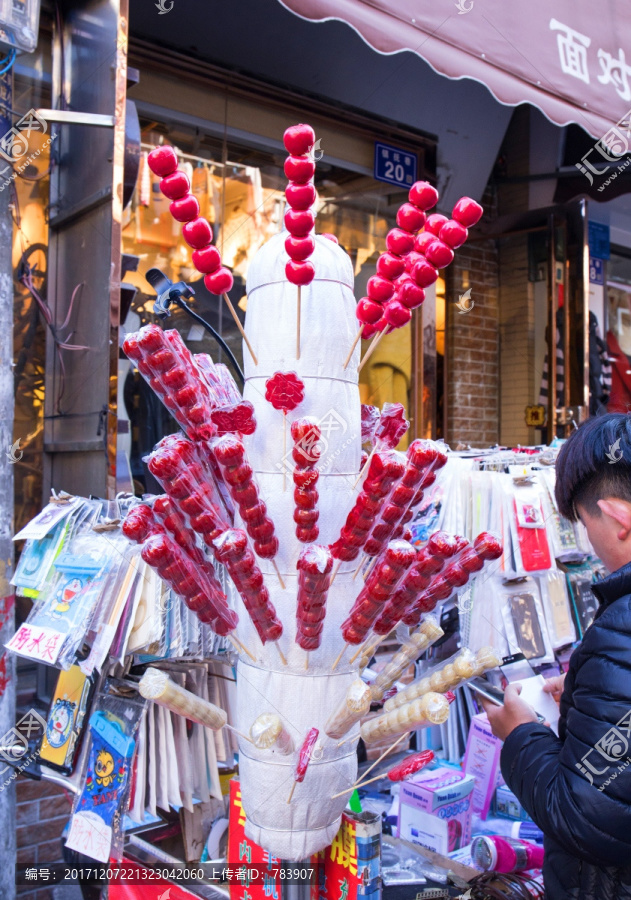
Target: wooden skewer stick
x=335, y=571
x=238, y=646
x=371, y=349
x=281, y=654
x=355, y=342
x=340, y=655
x=291, y=793
x=237, y=322
x=352, y=737
x=361, y=781
x=359, y=784
x=298, y=325
x=360, y=651
x=369, y=567
x=282, y=583
x=366, y=464
x=306, y=660
x=361, y=562
x=240, y=733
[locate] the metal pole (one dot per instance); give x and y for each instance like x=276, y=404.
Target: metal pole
x=7, y=675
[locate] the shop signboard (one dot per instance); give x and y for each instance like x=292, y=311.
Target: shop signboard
x=394, y=165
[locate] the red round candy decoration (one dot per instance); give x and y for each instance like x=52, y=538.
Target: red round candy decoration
x=399, y=242
x=442, y=544
x=424, y=274
x=470, y=561
x=151, y=337
x=175, y=378
x=300, y=248
x=299, y=168
x=456, y=574
x=422, y=241
x=238, y=418
x=138, y=524
x=207, y=259
x=423, y=195
x=219, y=281
x=266, y=549
x=156, y=550
x=453, y=234
x=410, y=261
x=197, y=233
x=299, y=273
x=299, y=139
x=368, y=311
x=175, y=186
x=410, y=218
x=410, y=295
x=186, y=396
x=299, y=222
x=390, y=266
x=162, y=161
x=229, y=451
x=161, y=360
x=185, y=209
x=300, y=196
x=434, y=223
x=306, y=478
x=379, y=288
x=131, y=349
x=467, y=212
x=370, y=331
x=307, y=535
x=396, y=314
x=284, y=390
x=439, y=254
x=488, y=546
x=306, y=428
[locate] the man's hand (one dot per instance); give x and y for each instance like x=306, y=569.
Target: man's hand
x=504, y=719
x=554, y=686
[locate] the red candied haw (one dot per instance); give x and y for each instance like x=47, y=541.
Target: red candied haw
x=307, y=535
x=300, y=248
x=220, y=281
x=299, y=139
x=234, y=475
x=470, y=561
x=299, y=273
x=368, y=311
x=131, y=348
x=305, y=499
x=410, y=218
x=156, y=550
x=390, y=266
x=399, y=242
x=207, y=260
x=197, y=233
x=266, y=549
x=453, y=234
x=299, y=168
x=175, y=378
x=262, y=532
x=306, y=478
x=439, y=254
x=254, y=515
x=175, y=185
x=246, y=494
x=300, y=196
x=467, y=212
x=379, y=288
x=307, y=518
x=423, y=195
x=161, y=360
x=185, y=209
x=229, y=450
x=434, y=223
x=299, y=222
x=162, y=161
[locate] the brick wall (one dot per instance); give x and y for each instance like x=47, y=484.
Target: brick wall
x=42, y=813
x=472, y=343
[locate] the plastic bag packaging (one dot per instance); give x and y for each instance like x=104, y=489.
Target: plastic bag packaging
x=430, y=709
x=37, y=559
x=451, y=673
x=96, y=826
x=268, y=732
x=417, y=643
x=524, y=621
x=157, y=686
x=556, y=606
x=354, y=707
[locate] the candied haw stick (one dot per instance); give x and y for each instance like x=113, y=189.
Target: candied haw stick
x=401, y=772
x=196, y=230
x=238, y=475
x=385, y=468
x=381, y=584
x=314, y=575
x=167, y=365
x=231, y=549
x=304, y=758
x=306, y=453
x=176, y=465
x=389, y=429
x=205, y=599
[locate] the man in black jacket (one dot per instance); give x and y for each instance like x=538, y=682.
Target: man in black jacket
x=577, y=787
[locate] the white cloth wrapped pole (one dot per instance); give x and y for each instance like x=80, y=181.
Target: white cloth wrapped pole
x=432, y=709
x=156, y=685
x=302, y=699
x=453, y=673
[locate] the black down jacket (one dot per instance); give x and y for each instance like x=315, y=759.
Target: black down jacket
x=577, y=787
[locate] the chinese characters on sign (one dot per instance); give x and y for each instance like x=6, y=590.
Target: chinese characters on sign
x=573, y=47
x=394, y=166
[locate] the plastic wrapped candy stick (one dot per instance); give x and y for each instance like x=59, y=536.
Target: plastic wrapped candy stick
x=156, y=685
x=306, y=453
x=167, y=365
x=314, y=575
x=392, y=426
x=411, y=765
x=431, y=709
x=230, y=413
x=451, y=673
x=418, y=642
x=370, y=420
x=423, y=459
x=190, y=485
x=200, y=595
x=238, y=475
x=384, y=469
x=140, y=523
x=268, y=732
x=354, y=707
x=231, y=549
x=305, y=755
x=381, y=584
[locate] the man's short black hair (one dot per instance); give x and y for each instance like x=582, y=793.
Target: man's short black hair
x=594, y=464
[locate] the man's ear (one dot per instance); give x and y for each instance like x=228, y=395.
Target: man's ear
x=620, y=512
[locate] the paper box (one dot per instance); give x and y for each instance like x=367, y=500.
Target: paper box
x=507, y=806
x=482, y=760
x=435, y=809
